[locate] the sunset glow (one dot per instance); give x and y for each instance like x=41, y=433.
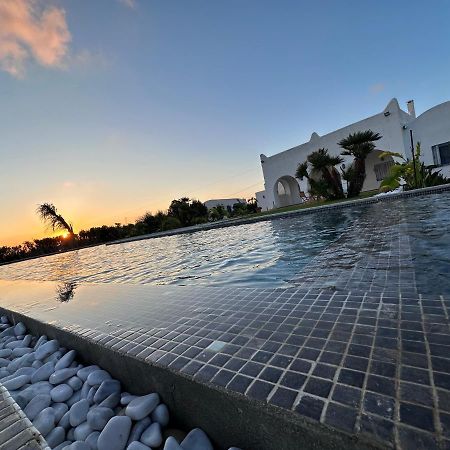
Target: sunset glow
x=108, y=124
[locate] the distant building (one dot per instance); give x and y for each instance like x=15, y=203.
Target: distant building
x=225, y=202
x=431, y=129
x=261, y=200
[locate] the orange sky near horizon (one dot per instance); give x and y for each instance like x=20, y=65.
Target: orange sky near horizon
x=88, y=206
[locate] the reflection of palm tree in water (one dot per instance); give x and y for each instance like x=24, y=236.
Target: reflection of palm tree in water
x=65, y=291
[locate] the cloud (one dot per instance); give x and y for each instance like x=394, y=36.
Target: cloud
x=30, y=30
x=377, y=88
x=129, y=3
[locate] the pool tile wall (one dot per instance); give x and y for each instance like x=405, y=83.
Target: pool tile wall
x=365, y=363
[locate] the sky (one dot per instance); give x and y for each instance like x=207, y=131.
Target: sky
x=111, y=108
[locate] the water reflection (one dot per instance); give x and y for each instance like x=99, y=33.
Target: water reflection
x=65, y=291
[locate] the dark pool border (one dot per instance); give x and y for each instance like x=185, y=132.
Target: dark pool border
x=281, y=215
x=228, y=418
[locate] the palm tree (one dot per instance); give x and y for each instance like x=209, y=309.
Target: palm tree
x=358, y=145
x=322, y=162
x=49, y=214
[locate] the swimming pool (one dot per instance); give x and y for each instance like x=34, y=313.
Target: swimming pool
x=404, y=242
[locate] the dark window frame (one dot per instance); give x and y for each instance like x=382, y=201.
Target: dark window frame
x=438, y=158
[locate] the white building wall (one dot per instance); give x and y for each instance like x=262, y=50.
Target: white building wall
x=224, y=202
x=388, y=123
x=431, y=128
x=261, y=200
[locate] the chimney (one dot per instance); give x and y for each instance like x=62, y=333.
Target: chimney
x=411, y=109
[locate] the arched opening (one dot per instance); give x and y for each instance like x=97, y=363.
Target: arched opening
x=286, y=192
x=376, y=170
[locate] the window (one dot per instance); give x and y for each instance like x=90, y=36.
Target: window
x=441, y=154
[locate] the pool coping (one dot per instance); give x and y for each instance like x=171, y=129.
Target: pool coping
x=227, y=416
x=282, y=215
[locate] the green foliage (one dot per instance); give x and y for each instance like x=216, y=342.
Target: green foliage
x=218, y=213
x=170, y=223
x=329, y=186
x=359, y=145
x=185, y=210
x=414, y=173
x=302, y=171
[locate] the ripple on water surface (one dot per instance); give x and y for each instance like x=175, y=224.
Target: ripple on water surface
x=269, y=253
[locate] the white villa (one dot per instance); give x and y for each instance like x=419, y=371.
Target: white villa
x=431, y=129
x=225, y=202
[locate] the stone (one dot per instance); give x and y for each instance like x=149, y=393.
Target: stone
x=45, y=421
x=61, y=393
x=75, y=383
x=78, y=412
x=172, y=444
x=65, y=421
x=20, y=352
x=138, y=446
x=97, y=377
x=196, y=439
x=7, y=332
x=140, y=407
x=179, y=435
x=20, y=329
x=43, y=373
x=161, y=415
x=40, y=341
x=23, y=361
x=45, y=350
x=92, y=439
x=98, y=417
x=85, y=389
x=36, y=405
x=41, y=387
x=138, y=428
x=76, y=397
x=3, y=361
x=16, y=383
x=15, y=344
x=91, y=394
x=84, y=372
x=82, y=431
x=126, y=398
x=70, y=434
x=63, y=445
x=60, y=409
x=107, y=388
x=152, y=435
x=5, y=352
x=115, y=434
x=55, y=437
x=54, y=357
x=61, y=375
x=22, y=371
x=111, y=401
x=79, y=445
x=66, y=360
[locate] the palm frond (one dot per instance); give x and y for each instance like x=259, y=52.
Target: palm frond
x=49, y=214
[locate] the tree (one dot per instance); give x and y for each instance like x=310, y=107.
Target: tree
x=217, y=212
x=358, y=145
x=49, y=214
x=327, y=181
x=187, y=211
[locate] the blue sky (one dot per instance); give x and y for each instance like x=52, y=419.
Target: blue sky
x=151, y=100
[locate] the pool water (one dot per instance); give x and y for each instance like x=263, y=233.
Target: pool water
x=384, y=237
